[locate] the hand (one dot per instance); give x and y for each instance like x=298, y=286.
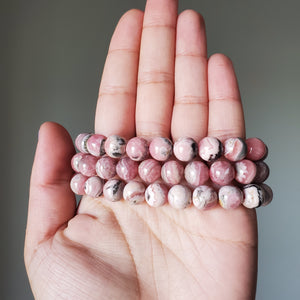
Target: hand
x=107, y=250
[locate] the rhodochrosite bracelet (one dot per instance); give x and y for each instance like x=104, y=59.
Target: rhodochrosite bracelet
x=184, y=173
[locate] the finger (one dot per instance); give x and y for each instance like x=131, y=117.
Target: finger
x=190, y=112
x=156, y=69
x=51, y=201
x=115, y=113
x=226, y=117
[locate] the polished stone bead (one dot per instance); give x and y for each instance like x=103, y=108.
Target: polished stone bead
x=230, y=196
x=221, y=172
x=77, y=184
x=253, y=196
x=204, y=197
x=106, y=167
x=75, y=161
x=81, y=140
x=113, y=190
x=235, y=149
x=262, y=172
x=210, y=148
x=196, y=173
x=87, y=165
x=185, y=149
x=115, y=146
x=179, y=196
x=134, y=192
x=127, y=169
x=245, y=171
x=172, y=172
x=137, y=149
x=156, y=194
x=95, y=145
x=149, y=170
x=256, y=149
x=161, y=148
x=93, y=186
x=268, y=194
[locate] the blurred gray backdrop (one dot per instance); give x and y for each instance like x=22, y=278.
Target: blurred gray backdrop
x=52, y=55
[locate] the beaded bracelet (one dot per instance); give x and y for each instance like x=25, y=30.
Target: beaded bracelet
x=205, y=173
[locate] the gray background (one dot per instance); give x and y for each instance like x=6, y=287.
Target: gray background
x=51, y=62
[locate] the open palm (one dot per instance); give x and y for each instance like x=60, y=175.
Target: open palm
x=157, y=81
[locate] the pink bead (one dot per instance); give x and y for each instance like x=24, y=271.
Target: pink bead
x=134, y=192
x=179, y=196
x=106, y=167
x=204, y=197
x=210, y=148
x=196, y=173
x=235, y=149
x=149, y=170
x=262, y=172
x=95, y=145
x=137, y=149
x=161, y=148
x=257, y=149
x=221, y=172
x=75, y=161
x=230, y=197
x=253, y=196
x=93, y=186
x=245, y=171
x=115, y=146
x=127, y=169
x=172, y=172
x=87, y=165
x=156, y=194
x=77, y=184
x=81, y=140
x=268, y=194
x=113, y=190
x=185, y=149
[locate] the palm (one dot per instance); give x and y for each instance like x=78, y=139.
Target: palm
x=116, y=251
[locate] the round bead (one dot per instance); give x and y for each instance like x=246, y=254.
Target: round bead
x=137, y=149
x=179, y=196
x=77, y=184
x=95, y=145
x=134, y=192
x=262, y=172
x=156, y=194
x=75, y=161
x=149, y=170
x=268, y=194
x=161, y=148
x=245, y=171
x=81, y=140
x=235, y=149
x=106, y=167
x=256, y=149
x=221, y=172
x=196, y=173
x=185, y=149
x=172, y=172
x=253, y=196
x=113, y=190
x=127, y=169
x=115, y=146
x=87, y=165
x=230, y=196
x=210, y=148
x=204, y=197
x=93, y=186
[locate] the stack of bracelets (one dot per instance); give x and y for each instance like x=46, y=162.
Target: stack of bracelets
x=205, y=173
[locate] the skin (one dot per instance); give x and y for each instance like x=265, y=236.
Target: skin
x=104, y=250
